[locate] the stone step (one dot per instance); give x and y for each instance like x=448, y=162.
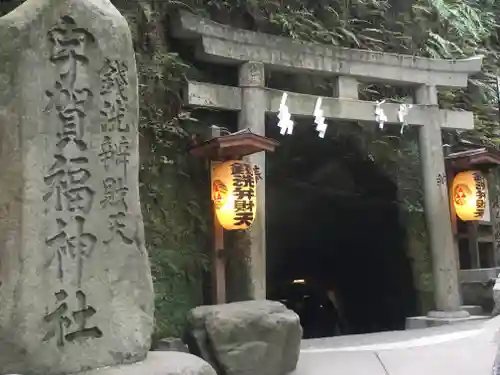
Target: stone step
x=473, y=309
x=418, y=322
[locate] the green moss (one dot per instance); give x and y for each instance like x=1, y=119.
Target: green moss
x=174, y=192
x=175, y=213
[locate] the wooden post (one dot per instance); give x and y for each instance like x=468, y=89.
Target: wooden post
x=473, y=245
x=494, y=213
x=219, y=260
x=219, y=265
x=450, y=176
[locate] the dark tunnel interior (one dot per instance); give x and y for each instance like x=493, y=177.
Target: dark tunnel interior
x=336, y=250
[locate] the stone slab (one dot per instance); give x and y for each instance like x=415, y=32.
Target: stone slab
x=226, y=45
x=388, y=338
x=336, y=363
x=482, y=275
x=160, y=363
x=466, y=348
x=230, y=98
x=462, y=357
x=75, y=283
x=418, y=322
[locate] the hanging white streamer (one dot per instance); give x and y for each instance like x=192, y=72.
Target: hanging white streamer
x=319, y=119
x=380, y=116
x=403, y=111
x=285, y=119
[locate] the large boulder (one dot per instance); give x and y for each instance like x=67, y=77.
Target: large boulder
x=246, y=338
x=160, y=363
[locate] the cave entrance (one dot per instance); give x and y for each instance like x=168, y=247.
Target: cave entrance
x=333, y=225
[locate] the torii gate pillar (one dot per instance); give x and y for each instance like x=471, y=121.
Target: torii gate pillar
x=253, y=116
x=437, y=211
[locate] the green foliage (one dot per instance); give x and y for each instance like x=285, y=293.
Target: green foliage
x=174, y=207
x=7, y=5
x=175, y=224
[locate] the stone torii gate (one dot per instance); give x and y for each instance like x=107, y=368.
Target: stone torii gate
x=253, y=52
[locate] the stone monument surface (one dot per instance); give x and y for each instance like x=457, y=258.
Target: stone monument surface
x=160, y=363
x=75, y=283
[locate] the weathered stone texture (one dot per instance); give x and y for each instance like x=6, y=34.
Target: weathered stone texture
x=226, y=45
x=478, y=294
x=231, y=98
x=171, y=344
x=161, y=363
x=75, y=283
x=246, y=338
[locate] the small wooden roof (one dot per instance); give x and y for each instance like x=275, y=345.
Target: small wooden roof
x=476, y=158
x=233, y=146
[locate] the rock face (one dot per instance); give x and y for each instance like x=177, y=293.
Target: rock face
x=246, y=338
x=160, y=363
x=75, y=283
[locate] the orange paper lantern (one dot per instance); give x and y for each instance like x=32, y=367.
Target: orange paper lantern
x=469, y=192
x=234, y=194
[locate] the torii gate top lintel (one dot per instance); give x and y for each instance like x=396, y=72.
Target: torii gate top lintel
x=226, y=45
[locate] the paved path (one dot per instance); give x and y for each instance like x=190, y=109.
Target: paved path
x=462, y=349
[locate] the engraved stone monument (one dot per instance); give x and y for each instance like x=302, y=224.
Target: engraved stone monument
x=75, y=284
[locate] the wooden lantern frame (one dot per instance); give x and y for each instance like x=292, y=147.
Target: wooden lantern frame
x=482, y=159
x=220, y=148
x=479, y=158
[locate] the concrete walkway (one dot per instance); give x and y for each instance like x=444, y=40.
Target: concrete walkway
x=462, y=349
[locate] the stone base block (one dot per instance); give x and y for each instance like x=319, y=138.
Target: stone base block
x=473, y=309
x=246, y=338
x=160, y=363
x=458, y=314
x=418, y=322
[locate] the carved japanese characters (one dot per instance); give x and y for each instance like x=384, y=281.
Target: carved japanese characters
x=76, y=290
